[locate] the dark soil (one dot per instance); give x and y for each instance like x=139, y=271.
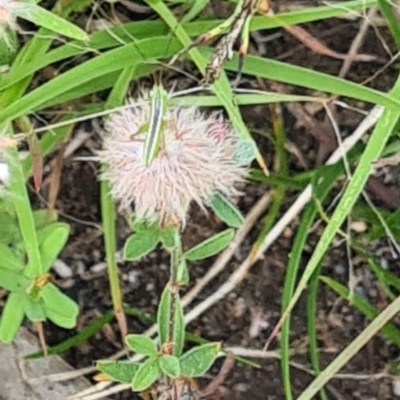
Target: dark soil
x=260, y=295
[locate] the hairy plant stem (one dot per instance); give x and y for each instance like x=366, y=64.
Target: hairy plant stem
x=174, y=285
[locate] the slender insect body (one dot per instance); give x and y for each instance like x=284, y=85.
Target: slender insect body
x=158, y=109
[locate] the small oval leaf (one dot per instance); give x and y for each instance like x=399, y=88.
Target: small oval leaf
x=183, y=273
x=197, y=361
x=170, y=366
x=119, y=371
x=35, y=311
x=164, y=318
x=140, y=244
x=59, y=308
x=12, y=316
x=246, y=151
x=141, y=344
x=211, y=246
x=52, y=239
x=226, y=211
x=146, y=375
x=167, y=237
x=163, y=315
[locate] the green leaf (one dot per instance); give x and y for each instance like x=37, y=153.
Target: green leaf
x=140, y=244
x=52, y=239
x=8, y=259
x=59, y=308
x=46, y=19
x=44, y=217
x=35, y=311
x=170, y=366
x=183, y=273
x=211, y=246
x=146, y=375
x=119, y=371
x=139, y=224
x=12, y=316
x=164, y=320
x=167, y=237
x=141, y=344
x=197, y=361
x=226, y=211
x=9, y=230
x=246, y=150
x=12, y=281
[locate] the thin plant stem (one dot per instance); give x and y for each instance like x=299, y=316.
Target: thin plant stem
x=176, y=256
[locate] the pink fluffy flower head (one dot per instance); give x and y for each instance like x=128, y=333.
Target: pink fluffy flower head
x=196, y=158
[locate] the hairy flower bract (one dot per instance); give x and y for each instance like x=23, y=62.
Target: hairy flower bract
x=197, y=156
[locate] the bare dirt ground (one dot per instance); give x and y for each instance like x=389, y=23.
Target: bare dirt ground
x=245, y=317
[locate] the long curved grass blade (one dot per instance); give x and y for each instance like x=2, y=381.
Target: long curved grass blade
x=387, y=9
x=373, y=150
x=114, y=60
x=389, y=330
x=307, y=219
x=304, y=77
x=85, y=334
x=351, y=350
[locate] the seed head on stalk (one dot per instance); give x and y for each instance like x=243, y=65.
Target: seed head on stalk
x=198, y=156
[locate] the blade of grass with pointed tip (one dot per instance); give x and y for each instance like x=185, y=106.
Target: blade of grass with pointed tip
x=389, y=330
x=351, y=350
x=86, y=333
x=373, y=150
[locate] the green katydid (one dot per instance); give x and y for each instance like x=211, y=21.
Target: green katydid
x=153, y=129
x=158, y=108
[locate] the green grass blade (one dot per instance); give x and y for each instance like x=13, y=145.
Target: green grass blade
x=387, y=9
x=374, y=148
x=304, y=77
x=389, y=330
x=108, y=212
x=312, y=323
x=114, y=60
x=294, y=265
x=85, y=334
x=351, y=350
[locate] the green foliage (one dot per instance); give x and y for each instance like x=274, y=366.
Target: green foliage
x=40, y=16
x=148, y=372
x=226, y=211
x=119, y=371
x=210, y=246
x=141, y=344
x=140, y=244
x=197, y=361
x=170, y=366
x=32, y=296
x=166, y=310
